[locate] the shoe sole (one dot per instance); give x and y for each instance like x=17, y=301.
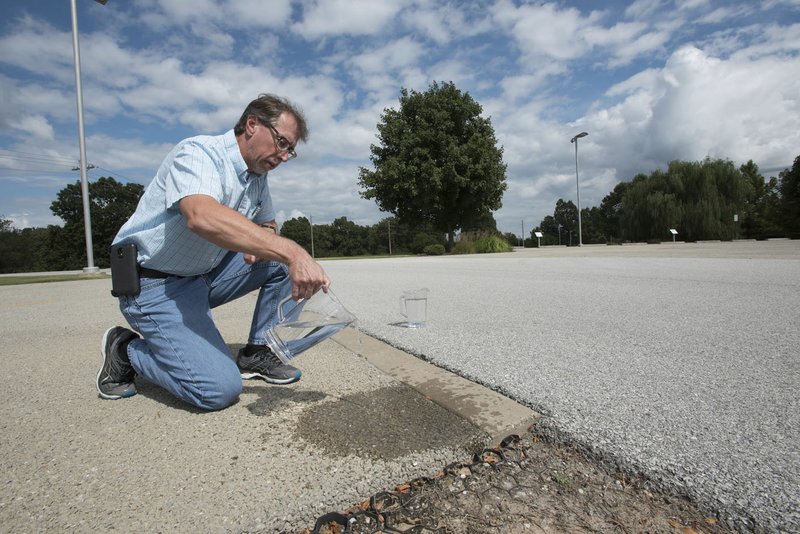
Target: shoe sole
x=103, y=356
x=270, y=380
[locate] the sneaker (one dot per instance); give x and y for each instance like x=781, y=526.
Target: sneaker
x=115, y=378
x=265, y=364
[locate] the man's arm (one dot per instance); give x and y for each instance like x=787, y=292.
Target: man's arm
x=231, y=230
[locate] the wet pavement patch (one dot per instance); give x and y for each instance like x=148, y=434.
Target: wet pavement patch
x=386, y=423
x=272, y=399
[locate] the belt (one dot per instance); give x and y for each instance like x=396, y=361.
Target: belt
x=152, y=273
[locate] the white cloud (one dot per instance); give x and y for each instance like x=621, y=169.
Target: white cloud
x=697, y=106
x=346, y=17
x=37, y=126
x=544, y=31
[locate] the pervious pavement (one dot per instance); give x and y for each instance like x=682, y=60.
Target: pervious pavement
x=275, y=461
x=680, y=360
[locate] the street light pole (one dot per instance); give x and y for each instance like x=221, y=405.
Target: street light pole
x=87, y=218
x=578, y=184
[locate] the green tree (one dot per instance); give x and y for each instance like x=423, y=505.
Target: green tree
x=12, y=248
x=789, y=187
x=299, y=231
x=593, y=225
x=611, y=208
x=549, y=228
x=111, y=204
x=437, y=161
x=699, y=199
x=760, y=217
x=566, y=218
x=349, y=239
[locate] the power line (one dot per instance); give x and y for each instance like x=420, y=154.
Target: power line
x=34, y=156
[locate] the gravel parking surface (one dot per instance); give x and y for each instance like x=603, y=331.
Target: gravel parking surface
x=678, y=361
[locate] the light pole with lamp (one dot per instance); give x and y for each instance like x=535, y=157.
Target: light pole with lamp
x=87, y=218
x=578, y=184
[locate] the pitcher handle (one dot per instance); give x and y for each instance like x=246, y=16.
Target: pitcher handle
x=282, y=303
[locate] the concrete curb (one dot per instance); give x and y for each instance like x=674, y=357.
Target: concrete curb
x=491, y=412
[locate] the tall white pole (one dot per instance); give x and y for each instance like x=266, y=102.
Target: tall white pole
x=311, y=224
x=578, y=184
x=87, y=218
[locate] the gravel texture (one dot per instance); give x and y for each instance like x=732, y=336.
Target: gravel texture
x=678, y=361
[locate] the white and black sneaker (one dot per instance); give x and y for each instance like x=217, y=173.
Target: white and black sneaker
x=115, y=378
x=258, y=361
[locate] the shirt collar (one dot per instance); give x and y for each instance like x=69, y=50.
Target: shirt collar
x=232, y=148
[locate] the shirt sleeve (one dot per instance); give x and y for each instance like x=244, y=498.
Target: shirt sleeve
x=194, y=170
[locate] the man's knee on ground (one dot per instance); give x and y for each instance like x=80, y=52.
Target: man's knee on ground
x=224, y=393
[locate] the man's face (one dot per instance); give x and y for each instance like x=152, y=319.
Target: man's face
x=261, y=143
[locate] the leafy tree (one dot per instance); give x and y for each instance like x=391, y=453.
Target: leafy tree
x=511, y=239
x=12, y=250
x=593, y=225
x=549, y=228
x=566, y=217
x=697, y=198
x=111, y=204
x=789, y=188
x=437, y=161
x=348, y=238
x=760, y=217
x=299, y=231
x=611, y=211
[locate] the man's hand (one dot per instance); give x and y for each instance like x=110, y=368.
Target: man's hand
x=307, y=276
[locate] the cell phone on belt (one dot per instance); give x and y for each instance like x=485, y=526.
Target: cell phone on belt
x=124, y=270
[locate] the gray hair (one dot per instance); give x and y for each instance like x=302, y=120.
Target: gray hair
x=267, y=108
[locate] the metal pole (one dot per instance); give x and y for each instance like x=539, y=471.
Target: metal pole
x=87, y=218
x=578, y=184
x=311, y=223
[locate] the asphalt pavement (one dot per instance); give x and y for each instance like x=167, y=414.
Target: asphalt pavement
x=679, y=361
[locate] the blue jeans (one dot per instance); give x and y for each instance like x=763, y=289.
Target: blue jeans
x=181, y=348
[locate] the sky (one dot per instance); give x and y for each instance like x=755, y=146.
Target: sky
x=651, y=81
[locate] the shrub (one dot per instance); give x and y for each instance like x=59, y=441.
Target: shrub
x=464, y=247
x=433, y=250
x=421, y=241
x=492, y=244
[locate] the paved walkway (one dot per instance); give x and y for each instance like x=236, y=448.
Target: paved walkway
x=275, y=461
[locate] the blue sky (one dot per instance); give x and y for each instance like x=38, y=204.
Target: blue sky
x=651, y=81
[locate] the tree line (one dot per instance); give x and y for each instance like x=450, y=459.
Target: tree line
x=705, y=200
x=63, y=248
x=710, y=199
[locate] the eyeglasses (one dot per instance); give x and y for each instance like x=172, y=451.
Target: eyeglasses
x=281, y=143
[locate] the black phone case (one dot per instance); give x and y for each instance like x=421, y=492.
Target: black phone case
x=124, y=270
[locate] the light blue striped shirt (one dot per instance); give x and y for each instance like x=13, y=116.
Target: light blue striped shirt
x=202, y=165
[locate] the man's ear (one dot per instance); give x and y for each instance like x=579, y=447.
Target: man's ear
x=250, y=125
